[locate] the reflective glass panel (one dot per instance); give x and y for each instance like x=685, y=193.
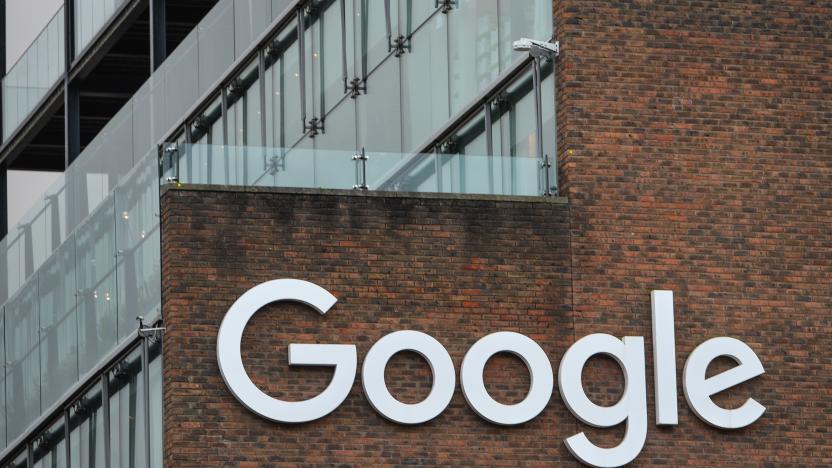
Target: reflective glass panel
x=137, y=244
x=424, y=80
x=58, y=322
x=23, y=360
x=379, y=111
x=216, y=43
x=49, y=449
x=180, y=78
x=95, y=272
x=473, y=49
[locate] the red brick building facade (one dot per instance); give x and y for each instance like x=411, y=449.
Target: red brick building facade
x=695, y=154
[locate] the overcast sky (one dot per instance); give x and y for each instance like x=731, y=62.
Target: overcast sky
x=24, y=21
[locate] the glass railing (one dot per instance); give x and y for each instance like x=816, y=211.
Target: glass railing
x=34, y=74
x=90, y=17
x=247, y=166
x=85, y=296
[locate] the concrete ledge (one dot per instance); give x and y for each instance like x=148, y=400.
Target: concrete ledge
x=359, y=193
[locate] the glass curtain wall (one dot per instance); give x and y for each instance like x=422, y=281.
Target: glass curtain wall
x=83, y=300
x=112, y=418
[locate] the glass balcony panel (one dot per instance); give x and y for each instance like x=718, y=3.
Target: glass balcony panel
x=250, y=20
x=379, y=112
x=283, y=80
x=424, y=80
x=15, y=260
x=473, y=49
x=33, y=225
x=90, y=17
x=160, y=121
x=216, y=43
x=278, y=7
x=58, y=322
x=56, y=214
x=127, y=416
x=35, y=72
x=181, y=73
x=142, y=121
x=243, y=97
x=311, y=165
x=96, y=277
x=548, y=109
x=22, y=355
x=207, y=132
x=49, y=451
x=86, y=436
x=137, y=243
x=454, y=173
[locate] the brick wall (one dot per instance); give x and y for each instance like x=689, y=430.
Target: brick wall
x=457, y=269
x=696, y=154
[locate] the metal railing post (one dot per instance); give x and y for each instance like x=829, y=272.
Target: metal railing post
x=362, y=158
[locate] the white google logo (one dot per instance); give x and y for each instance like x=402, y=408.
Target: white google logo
x=629, y=353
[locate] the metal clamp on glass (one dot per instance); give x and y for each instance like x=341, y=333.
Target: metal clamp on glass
x=361, y=171
x=446, y=5
x=170, y=152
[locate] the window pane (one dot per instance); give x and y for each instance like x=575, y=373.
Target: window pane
x=127, y=435
x=59, y=348
x=86, y=437
x=50, y=449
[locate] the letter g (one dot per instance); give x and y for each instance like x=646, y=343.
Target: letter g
x=229, y=340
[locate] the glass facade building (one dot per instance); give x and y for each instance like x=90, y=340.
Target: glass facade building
x=396, y=95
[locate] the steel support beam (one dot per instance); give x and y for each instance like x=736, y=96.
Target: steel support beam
x=72, y=122
x=158, y=34
x=4, y=202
